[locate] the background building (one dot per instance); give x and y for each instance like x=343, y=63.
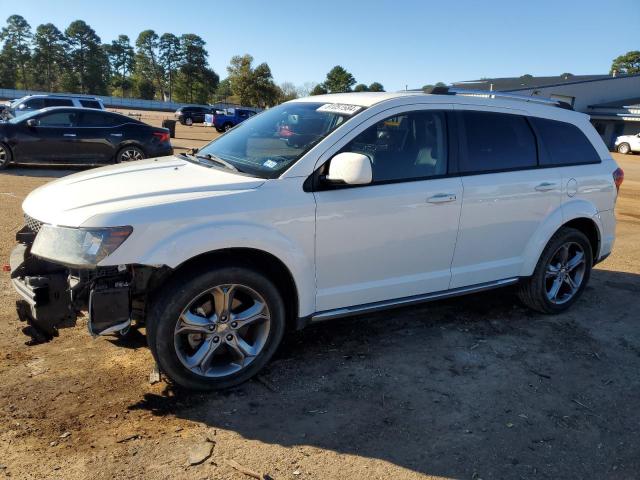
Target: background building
x=612, y=102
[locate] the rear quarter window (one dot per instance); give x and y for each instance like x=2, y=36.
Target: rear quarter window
x=90, y=104
x=492, y=142
x=58, y=102
x=564, y=144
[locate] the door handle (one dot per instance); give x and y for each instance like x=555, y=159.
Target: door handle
x=115, y=134
x=442, y=198
x=69, y=135
x=545, y=186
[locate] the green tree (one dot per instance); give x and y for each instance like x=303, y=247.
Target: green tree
x=171, y=57
x=376, y=87
x=224, y=89
x=16, y=53
x=121, y=59
x=361, y=87
x=339, y=80
x=253, y=87
x=197, y=82
x=88, y=60
x=319, y=89
x=49, y=57
x=627, y=64
x=147, y=65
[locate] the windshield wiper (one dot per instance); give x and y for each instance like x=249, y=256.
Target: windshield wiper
x=210, y=158
x=218, y=160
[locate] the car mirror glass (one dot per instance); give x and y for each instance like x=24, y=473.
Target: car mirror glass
x=32, y=122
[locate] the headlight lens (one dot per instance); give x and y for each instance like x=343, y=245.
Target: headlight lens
x=78, y=247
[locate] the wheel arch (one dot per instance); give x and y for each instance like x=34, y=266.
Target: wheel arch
x=266, y=263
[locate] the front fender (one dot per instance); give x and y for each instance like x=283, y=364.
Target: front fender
x=189, y=242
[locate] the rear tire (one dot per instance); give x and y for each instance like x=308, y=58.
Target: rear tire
x=195, y=330
x=188, y=121
x=624, y=148
x=559, y=278
x=130, y=153
x=227, y=127
x=5, y=156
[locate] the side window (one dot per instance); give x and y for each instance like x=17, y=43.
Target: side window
x=34, y=104
x=58, y=119
x=90, y=104
x=405, y=147
x=495, y=141
x=565, y=143
x=58, y=102
x=97, y=119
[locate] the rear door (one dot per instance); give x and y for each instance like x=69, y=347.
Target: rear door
x=52, y=140
x=99, y=135
x=506, y=195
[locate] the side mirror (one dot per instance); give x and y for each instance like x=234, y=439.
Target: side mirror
x=32, y=122
x=350, y=168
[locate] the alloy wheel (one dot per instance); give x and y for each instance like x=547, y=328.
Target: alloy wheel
x=131, y=155
x=565, y=273
x=624, y=149
x=4, y=156
x=222, y=330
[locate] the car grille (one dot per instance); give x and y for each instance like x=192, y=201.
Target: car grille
x=32, y=224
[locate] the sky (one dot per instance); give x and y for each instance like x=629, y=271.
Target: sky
x=399, y=43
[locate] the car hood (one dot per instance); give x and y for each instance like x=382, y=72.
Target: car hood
x=74, y=199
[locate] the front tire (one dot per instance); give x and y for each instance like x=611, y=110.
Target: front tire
x=227, y=127
x=211, y=329
x=624, y=148
x=5, y=156
x=561, y=275
x=188, y=121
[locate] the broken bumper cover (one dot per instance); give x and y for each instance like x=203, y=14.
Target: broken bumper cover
x=43, y=286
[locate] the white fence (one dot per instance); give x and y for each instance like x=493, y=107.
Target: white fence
x=120, y=102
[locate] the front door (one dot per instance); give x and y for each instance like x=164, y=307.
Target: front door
x=52, y=140
x=393, y=238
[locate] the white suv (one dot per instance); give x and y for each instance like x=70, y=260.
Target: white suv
x=628, y=144
x=320, y=208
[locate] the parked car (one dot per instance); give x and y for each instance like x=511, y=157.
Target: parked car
x=230, y=118
x=628, y=144
x=395, y=199
x=79, y=136
x=36, y=102
x=191, y=114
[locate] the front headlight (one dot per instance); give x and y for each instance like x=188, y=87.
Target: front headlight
x=78, y=247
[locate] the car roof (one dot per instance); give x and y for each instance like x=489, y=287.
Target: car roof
x=369, y=99
x=53, y=95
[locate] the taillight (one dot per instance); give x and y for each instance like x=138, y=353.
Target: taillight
x=618, y=177
x=162, y=136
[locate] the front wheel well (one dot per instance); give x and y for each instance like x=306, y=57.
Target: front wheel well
x=590, y=229
x=266, y=263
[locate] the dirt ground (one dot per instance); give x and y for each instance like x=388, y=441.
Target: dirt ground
x=473, y=388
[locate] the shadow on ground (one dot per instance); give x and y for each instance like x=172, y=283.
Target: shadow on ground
x=475, y=387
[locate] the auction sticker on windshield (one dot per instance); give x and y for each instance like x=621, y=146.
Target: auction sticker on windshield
x=341, y=108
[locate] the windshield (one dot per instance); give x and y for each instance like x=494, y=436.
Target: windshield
x=267, y=144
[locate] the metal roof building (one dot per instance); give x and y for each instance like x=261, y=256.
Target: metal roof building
x=613, y=102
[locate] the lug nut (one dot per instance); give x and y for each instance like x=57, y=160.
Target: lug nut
x=234, y=324
x=216, y=339
x=212, y=327
x=229, y=337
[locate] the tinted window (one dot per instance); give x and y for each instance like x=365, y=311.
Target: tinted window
x=496, y=141
x=57, y=119
x=405, y=147
x=90, y=104
x=565, y=143
x=34, y=104
x=98, y=119
x=58, y=102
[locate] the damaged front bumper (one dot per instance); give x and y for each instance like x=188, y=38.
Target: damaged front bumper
x=53, y=295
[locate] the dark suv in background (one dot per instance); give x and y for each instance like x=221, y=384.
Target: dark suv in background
x=192, y=114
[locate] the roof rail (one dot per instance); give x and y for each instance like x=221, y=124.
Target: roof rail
x=509, y=96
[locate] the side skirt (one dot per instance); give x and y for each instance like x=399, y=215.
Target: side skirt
x=403, y=302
